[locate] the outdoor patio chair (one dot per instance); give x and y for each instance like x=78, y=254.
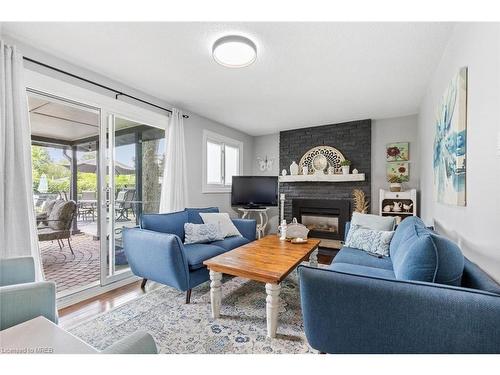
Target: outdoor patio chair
x=86, y=209
x=58, y=223
x=123, y=204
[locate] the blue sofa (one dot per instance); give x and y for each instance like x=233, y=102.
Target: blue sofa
x=156, y=251
x=425, y=298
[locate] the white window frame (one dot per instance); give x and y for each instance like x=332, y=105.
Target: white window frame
x=224, y=141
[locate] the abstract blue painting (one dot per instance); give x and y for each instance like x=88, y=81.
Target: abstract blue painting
x=450, y=143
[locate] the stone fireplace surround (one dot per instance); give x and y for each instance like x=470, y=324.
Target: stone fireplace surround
x=353, y=139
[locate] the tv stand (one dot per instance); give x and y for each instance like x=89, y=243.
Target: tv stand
x=263, y=218
x=253, y=207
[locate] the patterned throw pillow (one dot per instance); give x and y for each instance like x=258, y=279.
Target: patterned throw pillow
x=372, y=241
x=202, y=233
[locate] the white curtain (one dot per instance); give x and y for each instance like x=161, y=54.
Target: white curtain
x=18, y=236
x=174, y=186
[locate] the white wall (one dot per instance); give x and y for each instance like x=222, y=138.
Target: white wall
x=193, y=126
x=475, y=227
x=398, y=129
x=268, y=145
x=194, y=141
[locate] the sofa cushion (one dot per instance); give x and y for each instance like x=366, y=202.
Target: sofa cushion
x=422, y=255
x=372, y=241
x=404, y=230
x=61, y=215
x=355, y=256
x=223, y=220
x=230, y=243
x=172, y=223
x=194, y=214
x=202, y=233
x=197, y=253
x=362, y=270
x=374, y=222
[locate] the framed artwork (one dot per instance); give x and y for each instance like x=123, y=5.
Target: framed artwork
x=401, y=170
x=399, y=151
x=450, y=143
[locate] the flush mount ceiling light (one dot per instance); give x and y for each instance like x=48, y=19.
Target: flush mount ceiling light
x=234, y=51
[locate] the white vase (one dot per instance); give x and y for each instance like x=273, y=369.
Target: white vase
x=294, y=169
x=345, y=169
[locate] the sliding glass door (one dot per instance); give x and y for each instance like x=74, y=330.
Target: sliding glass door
x=101, y=157
x=131, y=185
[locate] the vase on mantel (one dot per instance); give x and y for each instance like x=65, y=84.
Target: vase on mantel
x=294, y=169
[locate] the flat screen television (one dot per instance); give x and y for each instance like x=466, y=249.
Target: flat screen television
x=254, y=191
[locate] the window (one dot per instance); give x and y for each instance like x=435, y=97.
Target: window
x=221, y=161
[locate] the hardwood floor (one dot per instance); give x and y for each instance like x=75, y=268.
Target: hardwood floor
x=81, y=311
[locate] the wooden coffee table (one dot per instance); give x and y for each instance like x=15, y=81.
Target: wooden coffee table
x=267, y=260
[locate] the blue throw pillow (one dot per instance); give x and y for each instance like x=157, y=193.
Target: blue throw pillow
x=419, y=254
x=202, y=233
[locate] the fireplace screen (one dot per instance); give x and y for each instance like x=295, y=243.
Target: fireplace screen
x=321, y=223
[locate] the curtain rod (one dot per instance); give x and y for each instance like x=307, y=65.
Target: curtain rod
x=117, y=92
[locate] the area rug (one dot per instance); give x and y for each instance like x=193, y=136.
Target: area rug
x=180, y=328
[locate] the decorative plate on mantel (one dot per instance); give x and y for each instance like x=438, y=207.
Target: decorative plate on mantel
x=320, y=158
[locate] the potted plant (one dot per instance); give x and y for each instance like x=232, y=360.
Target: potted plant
x=345, y=164
x=396, y=182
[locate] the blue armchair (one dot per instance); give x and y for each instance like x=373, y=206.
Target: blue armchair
x=156, y=251
x=21, y=298
x=365, y=304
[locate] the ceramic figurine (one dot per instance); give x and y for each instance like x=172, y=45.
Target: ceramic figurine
x=305, y=170
x=407, y=207
x=355, y=171
x=387, y=208
x=331, y=170
x=397, y=207
x=294, y=169
x=283, y=172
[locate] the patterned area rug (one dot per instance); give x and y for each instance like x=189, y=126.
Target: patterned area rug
x=180, y=328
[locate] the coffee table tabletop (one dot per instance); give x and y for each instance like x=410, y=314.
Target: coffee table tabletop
x=267, y=260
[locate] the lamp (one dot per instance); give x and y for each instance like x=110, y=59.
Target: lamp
x=234, y=51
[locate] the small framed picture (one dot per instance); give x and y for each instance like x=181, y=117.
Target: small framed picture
x=401, y=170
x=398, y=151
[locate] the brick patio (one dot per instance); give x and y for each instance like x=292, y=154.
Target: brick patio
x=70, y=271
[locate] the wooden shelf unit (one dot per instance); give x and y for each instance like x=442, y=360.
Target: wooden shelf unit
x=405, y=197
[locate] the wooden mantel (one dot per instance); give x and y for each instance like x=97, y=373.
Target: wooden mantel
x=323, y=178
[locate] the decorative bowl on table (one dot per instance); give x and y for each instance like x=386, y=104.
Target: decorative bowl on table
x=298, y=240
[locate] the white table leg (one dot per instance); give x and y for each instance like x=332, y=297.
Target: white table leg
x=272, y=306
x=215, y=292
x=313, y=258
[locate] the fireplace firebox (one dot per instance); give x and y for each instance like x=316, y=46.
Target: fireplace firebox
x=325, y=218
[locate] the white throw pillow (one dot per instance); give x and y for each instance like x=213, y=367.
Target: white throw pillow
x=223, y=220
x=202, y=233
x=372, y=241
x=374, y=222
